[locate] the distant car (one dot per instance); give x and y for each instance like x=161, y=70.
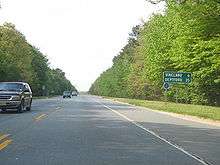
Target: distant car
x=74, y=93
x=67, y=94
x=15, y=95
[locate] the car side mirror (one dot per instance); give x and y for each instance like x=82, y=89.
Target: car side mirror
x=26, y=90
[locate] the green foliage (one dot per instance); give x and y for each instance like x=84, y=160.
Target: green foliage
x=57, y=82
x=19, y=61
x=185, y=38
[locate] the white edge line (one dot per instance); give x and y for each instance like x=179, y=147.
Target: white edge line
x=158, y=136
x=175, y=115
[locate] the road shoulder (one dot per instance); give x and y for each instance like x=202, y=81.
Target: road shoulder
x=180, y=116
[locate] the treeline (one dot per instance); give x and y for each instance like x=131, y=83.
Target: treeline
x=20, y=61
x=186, y=37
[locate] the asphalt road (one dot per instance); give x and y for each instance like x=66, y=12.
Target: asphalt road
x=88, y=130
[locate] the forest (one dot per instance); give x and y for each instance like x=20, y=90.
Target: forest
x=183, y=38
x=20, y=61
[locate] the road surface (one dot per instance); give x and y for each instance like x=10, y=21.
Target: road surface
x=88, y=130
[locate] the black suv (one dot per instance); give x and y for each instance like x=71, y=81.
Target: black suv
x=15, y=95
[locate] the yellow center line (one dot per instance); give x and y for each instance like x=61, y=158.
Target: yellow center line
x=5, y=144
x=4, y=136
x=40, y=117
x=57, y=109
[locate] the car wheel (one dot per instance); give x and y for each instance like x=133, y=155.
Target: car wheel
x=21, y=107
x=3, y=109
x=29, y=108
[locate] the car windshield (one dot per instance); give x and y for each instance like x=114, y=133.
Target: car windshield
x=10, y=87
x=66, y=92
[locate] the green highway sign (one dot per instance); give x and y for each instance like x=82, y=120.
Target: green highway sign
x=177, y=77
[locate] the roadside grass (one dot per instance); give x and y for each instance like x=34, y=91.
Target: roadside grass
x=207, y=112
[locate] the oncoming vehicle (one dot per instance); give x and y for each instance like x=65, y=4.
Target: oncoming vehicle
x=74, y=93
x=67, y=94
x=15, y=95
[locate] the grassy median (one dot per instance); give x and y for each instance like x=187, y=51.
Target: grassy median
x=207, y=112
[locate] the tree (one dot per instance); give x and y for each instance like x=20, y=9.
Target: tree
x=20, y=61
x=184, y=38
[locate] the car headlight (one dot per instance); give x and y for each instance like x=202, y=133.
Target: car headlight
x=15, y=98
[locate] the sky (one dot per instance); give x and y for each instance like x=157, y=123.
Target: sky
x=81, y=37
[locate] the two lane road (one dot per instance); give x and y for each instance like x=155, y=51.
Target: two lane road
x=88, y=130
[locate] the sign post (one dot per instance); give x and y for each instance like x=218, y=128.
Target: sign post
x=166, y=86
x=43, y=88
x=170, y=77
